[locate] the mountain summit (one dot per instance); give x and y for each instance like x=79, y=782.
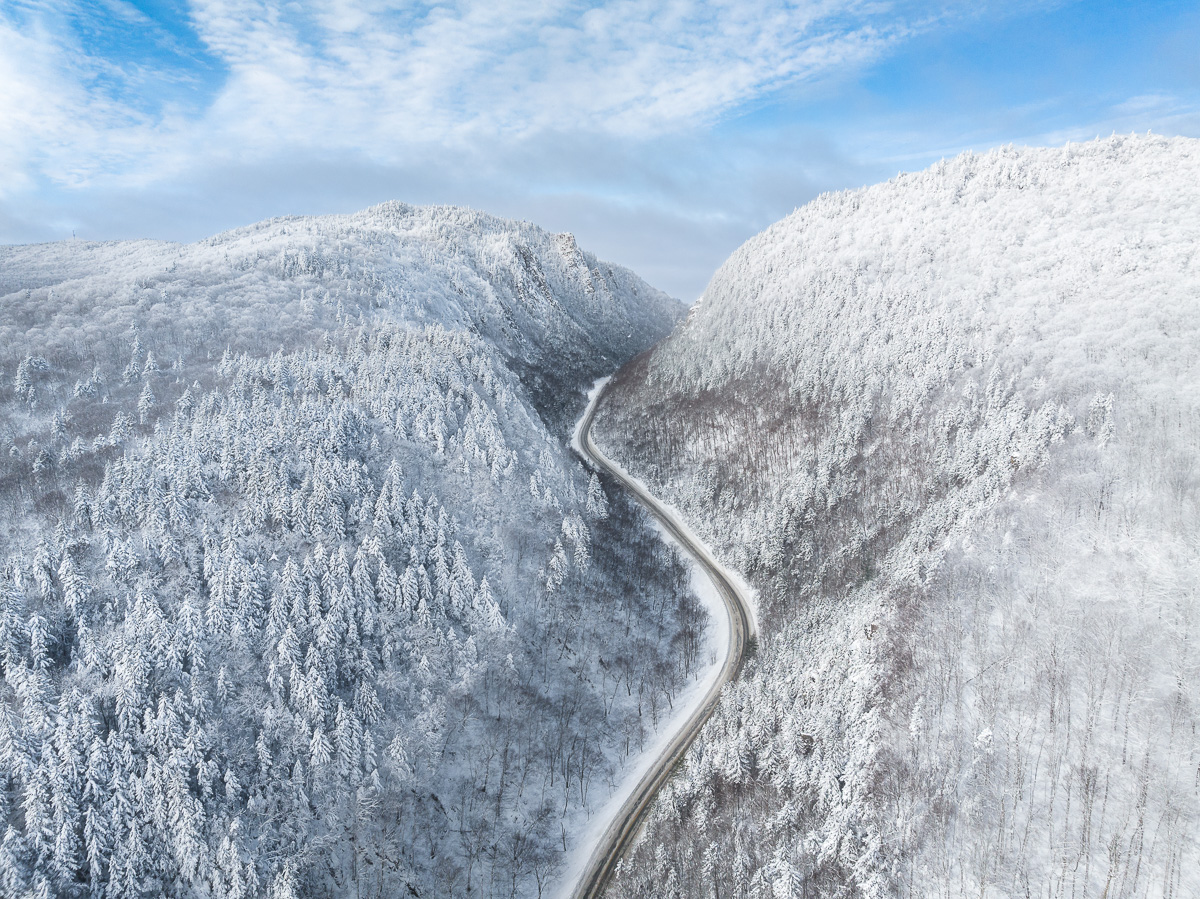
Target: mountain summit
x=301, y=591
x=949, y=427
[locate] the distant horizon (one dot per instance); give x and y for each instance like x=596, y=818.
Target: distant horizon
x=661, y=135
x=687, y=301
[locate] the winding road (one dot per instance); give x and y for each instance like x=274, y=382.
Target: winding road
x=622, y=830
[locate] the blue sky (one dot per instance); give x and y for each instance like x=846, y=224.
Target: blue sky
x=663, y=133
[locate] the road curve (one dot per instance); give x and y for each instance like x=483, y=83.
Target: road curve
x=627, y=822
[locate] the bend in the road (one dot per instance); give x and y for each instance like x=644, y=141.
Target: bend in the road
x=622, y=830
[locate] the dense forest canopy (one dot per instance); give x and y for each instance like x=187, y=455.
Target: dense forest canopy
x=949, y=427
x=301, y=592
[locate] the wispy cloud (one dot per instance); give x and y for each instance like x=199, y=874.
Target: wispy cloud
x=663, y=132
x=88, y=90
x=368, y=76
x=472, y=68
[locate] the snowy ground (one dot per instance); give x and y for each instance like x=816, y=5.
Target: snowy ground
x=296, y=499
x=592, y=821
x=948, y=424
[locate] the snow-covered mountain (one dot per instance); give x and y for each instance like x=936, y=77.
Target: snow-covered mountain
x=949, y=427
x=301, y=591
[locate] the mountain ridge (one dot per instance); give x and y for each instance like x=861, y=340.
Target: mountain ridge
x=940, y=423
x=302, y=592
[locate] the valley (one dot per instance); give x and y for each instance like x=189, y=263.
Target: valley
x=873, y=574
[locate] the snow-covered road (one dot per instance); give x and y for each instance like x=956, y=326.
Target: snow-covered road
x=626, y=811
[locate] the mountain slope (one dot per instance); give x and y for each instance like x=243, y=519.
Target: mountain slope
x=301, y=591
x=949, y=427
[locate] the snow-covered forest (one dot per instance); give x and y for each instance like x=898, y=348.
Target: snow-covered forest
x=949, y=428
x=301, y=591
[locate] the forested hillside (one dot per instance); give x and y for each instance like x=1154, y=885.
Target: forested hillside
x=949, y=427
x=301, y=592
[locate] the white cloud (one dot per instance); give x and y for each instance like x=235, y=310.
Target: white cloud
x=382, y=77
x=62, y=116
x=631, y=68
x=1146, y=103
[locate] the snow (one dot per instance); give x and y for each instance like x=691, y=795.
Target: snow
x=592, y=395
x=950, y=426
x=590, y=824
x=718, y=611
x=289, y=513
x=716, y=649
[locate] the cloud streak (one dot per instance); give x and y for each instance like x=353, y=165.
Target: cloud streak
x=377, y=79
x=662, y=132
x=472, y=68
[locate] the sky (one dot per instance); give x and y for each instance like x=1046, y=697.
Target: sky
x=662, y=133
